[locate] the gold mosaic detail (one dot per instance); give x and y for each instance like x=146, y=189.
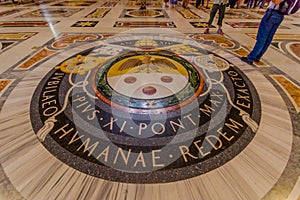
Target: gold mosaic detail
x=216, y=38
x=98, y=13
x=187, y=13
x=4, y=84
x=8, y=36
x=291, y=89
x=286, y=37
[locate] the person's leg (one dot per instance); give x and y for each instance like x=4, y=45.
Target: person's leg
x=276, y=18
x=197, y=3
x=222, y=8
x=213, y=12
x=265, y=34
x=212, y=15
x=221, y=17
x=202, y=3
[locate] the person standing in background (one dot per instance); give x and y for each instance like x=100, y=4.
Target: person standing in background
x=266, y=31
x=219, y=5
x=198, y=2
x=143, y=4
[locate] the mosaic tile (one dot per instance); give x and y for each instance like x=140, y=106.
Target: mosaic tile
x=35, y=58
x=215, y=38
x=98, y=13
x=10, y=12
x=187, y=13
x=149, y=13
x=52, y=12
x=9, y=40
x=249, y=25
x=236, y=14
x=4, y=83
x=280, y=37
x=290, y=88
x=109, y=4
x=26, y=23
x=151, y=4
x=144, y=24
x=201, y=25
x=85, y=24
x=75, y=3
x=5, y=44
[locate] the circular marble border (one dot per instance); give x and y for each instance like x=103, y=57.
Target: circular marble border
x=250, y=175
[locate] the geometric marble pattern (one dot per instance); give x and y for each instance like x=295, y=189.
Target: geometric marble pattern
x=109, y=4
x=187, y=13
x=237, y=14
x=98, y=13
x=139, y=24
x=200, y=24
x=248, y=25
x=9, y=12
x=74, y=3
x=8, y=40
x=51, y=12
x=291, y=89
x=4, y=85
x=149, y=13
x=26, y=23
x=85, y=24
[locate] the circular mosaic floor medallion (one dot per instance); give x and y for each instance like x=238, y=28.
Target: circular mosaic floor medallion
x=145, y=109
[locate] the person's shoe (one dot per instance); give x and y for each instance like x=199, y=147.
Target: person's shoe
x=256, y=60
x=245, y=59
x=220, y=31
x=206, y=31
x=143, y=8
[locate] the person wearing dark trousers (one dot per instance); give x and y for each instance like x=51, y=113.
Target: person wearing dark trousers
x=219, y=5
x=266, y=31
x=198, y=2
x=232, y=3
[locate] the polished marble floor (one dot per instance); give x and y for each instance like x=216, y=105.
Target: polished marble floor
x=100, y=100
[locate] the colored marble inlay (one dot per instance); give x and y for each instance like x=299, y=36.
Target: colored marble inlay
x=8, y=40
x=148, y=3
x=201, y=25
x=75, y=3
x=145, y=101
x=9, y=12
x=9, y=36
x=98, y=13
x=85, y=24
x=248, y=25
x=290, y=88
x=40, y=55
x=187, y=13
x=26, y=23
x=144, y=24
x=295, y=49
x=52, y=12
x=280, y=37
x=67, y=40
x=216, y=38
x=236, y=14
x=149, y=13
x=4, y=83
x=109, y=4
